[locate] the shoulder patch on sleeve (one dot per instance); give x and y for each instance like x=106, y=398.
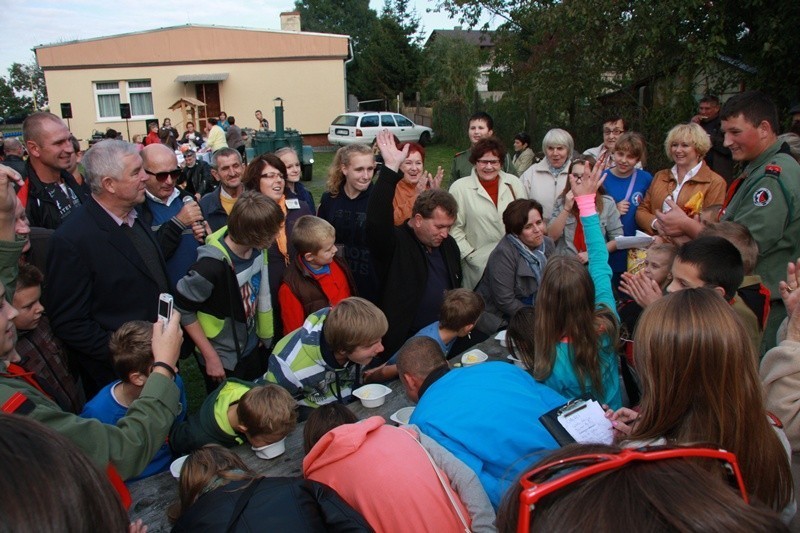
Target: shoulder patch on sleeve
x=762, y=197
x=772, y=170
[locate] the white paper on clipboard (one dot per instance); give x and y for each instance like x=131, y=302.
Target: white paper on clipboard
x=587, y=423
x=640, y=240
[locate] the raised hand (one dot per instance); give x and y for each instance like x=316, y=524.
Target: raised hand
x=392, y=157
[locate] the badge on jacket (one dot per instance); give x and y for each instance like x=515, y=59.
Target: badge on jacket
x=762, y=197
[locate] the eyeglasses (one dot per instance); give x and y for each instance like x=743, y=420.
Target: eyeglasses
x=162, y=176
x=489, y=162
x=272, y=175
x=545, y=480
x=615, y=131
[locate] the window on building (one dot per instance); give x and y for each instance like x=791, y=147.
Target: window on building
x=140, y=95
x=106, y=95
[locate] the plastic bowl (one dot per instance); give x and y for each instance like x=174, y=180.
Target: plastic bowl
x=402, y=416
x=517, y=362
x=373, y=395
x=176, y=465
x=501, y=338
x=473, y=357
x=270, y=451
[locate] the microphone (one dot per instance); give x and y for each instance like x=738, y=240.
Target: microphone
x=189, y=200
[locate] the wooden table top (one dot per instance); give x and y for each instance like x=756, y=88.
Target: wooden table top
x=152, y=496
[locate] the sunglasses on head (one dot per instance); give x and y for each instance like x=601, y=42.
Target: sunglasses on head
x=162, y=176
x=552, y=477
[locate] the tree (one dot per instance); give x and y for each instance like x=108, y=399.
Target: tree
x=385, y=49
x=28, y=79
x=10, y=103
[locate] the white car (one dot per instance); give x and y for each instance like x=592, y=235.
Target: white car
x=362, y=127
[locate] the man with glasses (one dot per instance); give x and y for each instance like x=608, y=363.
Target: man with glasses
x=172, y=214
x=105, y=267
x=227, y=169
x=613, y=127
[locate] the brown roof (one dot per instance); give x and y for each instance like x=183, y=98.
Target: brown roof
x=209, y=44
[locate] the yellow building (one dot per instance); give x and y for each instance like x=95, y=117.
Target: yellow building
x=234, y=70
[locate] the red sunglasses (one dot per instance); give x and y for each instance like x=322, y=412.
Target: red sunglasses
x=544, y=480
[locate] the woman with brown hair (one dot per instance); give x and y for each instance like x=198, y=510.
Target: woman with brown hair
x=514, y=270
x=218, y=492
x=651, y=493
x=575, y=330
x=700, y=384
x=482, y=197
x=267, y=174
x=415, y=180
x=565, y=226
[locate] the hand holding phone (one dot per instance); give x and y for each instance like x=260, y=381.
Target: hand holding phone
x=165, y=303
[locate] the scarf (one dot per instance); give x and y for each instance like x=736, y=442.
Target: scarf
x=534, y=258
x=556, y=171
x=280, y=238
x=405, y=194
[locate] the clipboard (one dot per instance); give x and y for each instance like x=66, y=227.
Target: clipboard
x=590, y=424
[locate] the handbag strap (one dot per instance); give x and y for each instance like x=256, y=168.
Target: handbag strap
x=241, y=503
x=445, y=484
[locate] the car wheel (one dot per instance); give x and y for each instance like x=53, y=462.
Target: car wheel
x=425, y=138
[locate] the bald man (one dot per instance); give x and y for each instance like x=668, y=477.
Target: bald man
x=13, y=155
x=53, y=194
x=176, y=223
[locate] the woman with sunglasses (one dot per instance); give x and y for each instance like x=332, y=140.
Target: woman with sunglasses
x=594, y=487
x=482, y=197
x=700, y=384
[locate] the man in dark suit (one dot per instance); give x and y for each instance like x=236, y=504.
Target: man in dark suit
x=104, y=267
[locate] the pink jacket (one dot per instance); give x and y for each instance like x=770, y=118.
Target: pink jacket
x=384, y=473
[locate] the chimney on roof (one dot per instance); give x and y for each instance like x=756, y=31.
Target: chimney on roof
x=290, y=21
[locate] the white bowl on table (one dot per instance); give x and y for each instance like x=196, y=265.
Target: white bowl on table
x=270, y=451
x=473, y=357
x=402, y=416
x=372, y=395
x=176, y=465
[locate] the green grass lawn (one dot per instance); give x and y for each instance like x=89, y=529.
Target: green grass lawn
x=435, y=155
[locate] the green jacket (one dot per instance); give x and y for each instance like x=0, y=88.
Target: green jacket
x=768, y=204
x=201, y=428
x=130, y=444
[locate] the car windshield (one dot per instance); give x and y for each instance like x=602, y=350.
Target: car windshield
x=345, y=120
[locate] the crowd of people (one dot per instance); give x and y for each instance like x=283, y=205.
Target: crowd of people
x=691, y=343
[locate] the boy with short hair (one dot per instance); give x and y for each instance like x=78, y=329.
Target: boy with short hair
x=458, y=315
x=225, y=298
x=714, y=262
x=752, y=293
x=627, y=184
x=236, y=412
x=132, y=357
x=316, y=277
x=39, y=351
x=319, y=363
x=481, y=126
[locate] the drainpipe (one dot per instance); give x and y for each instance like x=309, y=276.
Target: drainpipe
x=350, y=58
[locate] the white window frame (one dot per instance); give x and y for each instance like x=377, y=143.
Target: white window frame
x=140, y=90
x=105, y=92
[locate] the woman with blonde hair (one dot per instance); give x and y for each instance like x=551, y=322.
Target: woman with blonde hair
x=344, y=205
x=689, y=185
x=218, y=492
x=700, y=384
